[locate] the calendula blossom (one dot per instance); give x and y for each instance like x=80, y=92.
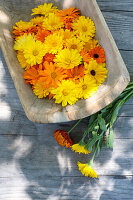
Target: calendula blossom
x=87, y=170
x=79, y=148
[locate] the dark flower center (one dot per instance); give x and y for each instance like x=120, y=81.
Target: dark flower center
x=93, y=73
x=96, y=55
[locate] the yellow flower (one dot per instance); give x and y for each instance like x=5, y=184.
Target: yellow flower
x=44, y=9
x=86, y=87
x=37, y=20
x=21, y=25
x=68, y=58
x=65, y=93
x=91, y=44
x=22, y=60
x=84, y=27
x=22, y=40
x=74, y=43
x=40, y=90
x=79, y=148
x=87, y=170
x=34, y=52
x=96, y=71
x=53, y=43
x=52, y=22
x=66, y=34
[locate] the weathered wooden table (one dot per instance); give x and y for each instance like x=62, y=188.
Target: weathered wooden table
x=34, y=167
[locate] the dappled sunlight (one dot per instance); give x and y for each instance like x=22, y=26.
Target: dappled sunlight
x=64, y=162
x=5, y=111
x=4, y=18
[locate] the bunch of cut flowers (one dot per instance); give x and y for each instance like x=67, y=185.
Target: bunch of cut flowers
x=60, y=55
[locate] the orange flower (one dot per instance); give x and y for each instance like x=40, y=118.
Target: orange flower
x=49, y=57
x=70, y=13
x=85, y=55
x=63, y=138
x=20, y=32
x=31, y=75
x=98, y=54
x=41, y=34
x=76, y=72
x=52, y=75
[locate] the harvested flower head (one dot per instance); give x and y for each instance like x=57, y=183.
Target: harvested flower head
x=44, y=9
x=98, y=54
x=65, y=93
x=37, y=20
x=52, y=75
x=22, y=60
x=31, y=75
x=96, y=71
x=85, y=55
x=76, y=72
x=34, y=52
x=65, y=34
x=87, y=170
x=84, y=26
x=68, y=58
x=70, y=13
x=53, y=43
x=42, y=34
x=86, y=87
x=52, y=22
x=63, y=138
x=40, y=90
x=49, y=57
x=79, y=148
x=22, y=40
x=74, y=43
x=91, y=44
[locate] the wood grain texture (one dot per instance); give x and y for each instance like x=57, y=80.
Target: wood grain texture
x=43, y=111
x=31, y=170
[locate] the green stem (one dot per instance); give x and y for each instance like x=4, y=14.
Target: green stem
x=91, y=161
x=74, y=126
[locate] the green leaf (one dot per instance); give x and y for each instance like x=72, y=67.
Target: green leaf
x=102, y=123
x=110, y=139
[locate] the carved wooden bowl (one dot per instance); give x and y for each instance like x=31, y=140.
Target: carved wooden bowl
x=43, y=110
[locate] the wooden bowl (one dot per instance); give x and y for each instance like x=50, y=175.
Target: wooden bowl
x=43, y=110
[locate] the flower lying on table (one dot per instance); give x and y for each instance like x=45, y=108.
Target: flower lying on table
x=94, y=136
x=61, y=57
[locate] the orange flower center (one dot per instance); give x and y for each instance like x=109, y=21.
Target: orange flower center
x=84, y=28
x=84, y=87
x=96, y=55
x=93, y=73
x=74, y=46
x=64, y=92
x=35, y=52
x=53, y=75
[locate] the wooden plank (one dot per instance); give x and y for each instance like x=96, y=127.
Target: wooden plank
x=36, y=187
x=120, y=5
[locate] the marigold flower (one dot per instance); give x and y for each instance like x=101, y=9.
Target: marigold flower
x=44, y=9
x=31, y=75
x=86, y=87
x=42, y=34
x=79, y=148
x=52, y=22
x=96, y=71
x=70, y=13
x=68, y=58
x=98, y=54
x=53, y=43
x=91, y=44
x=85, y=55
x=39, y=89
x=34, y=52
x=65, y=93
x=37, y=20
x=87, y=170
x=22, y=60
x=52, y=75
x=63, y=138
x=65, y=34
x=49, y=57
x=76, y=73
x=74, y=43
x=84, y=27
